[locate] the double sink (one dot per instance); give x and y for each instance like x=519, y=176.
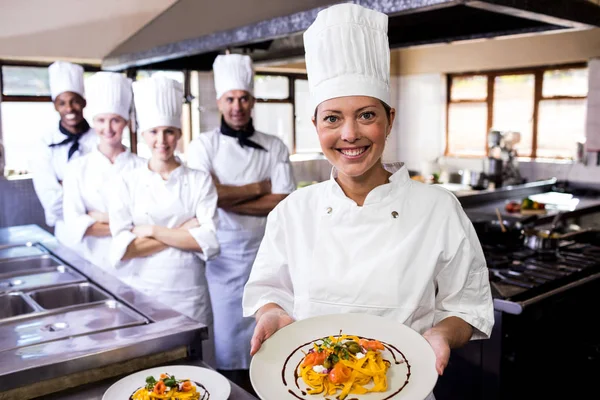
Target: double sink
x=43, y=300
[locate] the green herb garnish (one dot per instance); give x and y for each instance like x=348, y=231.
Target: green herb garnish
x=150, y=382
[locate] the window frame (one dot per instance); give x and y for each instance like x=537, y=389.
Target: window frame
x=538, y=73
x=29, y=98
x=291, y=99
x=32, y=99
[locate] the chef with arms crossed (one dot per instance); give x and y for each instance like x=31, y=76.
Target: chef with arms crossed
x=370, y=239
x=89, y=179
x=71, y=139
x=163, y=215
x=253, y=174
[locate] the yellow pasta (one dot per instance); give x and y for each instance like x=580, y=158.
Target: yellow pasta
x=344, y=364
x=177, y=389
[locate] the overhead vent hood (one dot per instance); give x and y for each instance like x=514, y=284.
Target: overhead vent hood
x=411, y=23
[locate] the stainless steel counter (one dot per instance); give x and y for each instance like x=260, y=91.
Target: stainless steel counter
x=62, y=315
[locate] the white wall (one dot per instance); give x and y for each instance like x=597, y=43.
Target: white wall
x=421, y=100
x=421, y=120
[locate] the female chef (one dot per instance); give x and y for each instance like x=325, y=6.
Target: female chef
x=71, y=139
x=88, y=180
x=162, y=216
x=369, y=240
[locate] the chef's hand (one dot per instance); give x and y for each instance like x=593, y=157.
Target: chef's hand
x=270, y=319
x=99, y=216
x=143, y=231
x=190, y=224
x=441, y=349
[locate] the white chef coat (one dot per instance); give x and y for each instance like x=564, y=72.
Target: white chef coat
x=239, y=235
x=232, y=164
x=174, y=277
x=48, y=167
x=409, y=253
x=87, y=185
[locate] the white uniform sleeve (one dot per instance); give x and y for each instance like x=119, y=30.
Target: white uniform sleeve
x=121, y=222
x=75, y=213
x=198, y=155
x=282, y=177
x=270, y=280
x=46, y=185
x=463, y=282
x=206, y=214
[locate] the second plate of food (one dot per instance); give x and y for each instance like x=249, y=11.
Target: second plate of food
x=344, y=356
x=171, y=381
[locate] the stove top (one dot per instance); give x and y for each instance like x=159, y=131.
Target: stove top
x=519, y=273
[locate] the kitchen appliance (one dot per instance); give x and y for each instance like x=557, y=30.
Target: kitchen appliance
x=60, y=316
x=502, y=167
x=545, y=342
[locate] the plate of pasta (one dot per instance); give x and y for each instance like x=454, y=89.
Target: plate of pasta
x=344, y=357
x=174, y=382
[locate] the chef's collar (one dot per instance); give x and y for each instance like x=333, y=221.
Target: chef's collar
x=121, y=156
x=399, y=178
x=174, y=175
x=392, y=168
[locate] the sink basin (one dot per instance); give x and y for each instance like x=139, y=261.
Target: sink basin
x=28, y=265
x=62, y=275
x=21, y=251
x=68, y=296
x=51, y=327
x=13, y=304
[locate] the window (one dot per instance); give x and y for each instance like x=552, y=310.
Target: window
x=26, y=111
x=545, y=105
x=282, y=109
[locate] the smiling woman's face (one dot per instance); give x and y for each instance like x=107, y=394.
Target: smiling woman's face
x=162, y=141
x=352, y=132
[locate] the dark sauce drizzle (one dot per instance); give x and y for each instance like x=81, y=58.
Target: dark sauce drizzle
x=205, y=396
x=391, y=348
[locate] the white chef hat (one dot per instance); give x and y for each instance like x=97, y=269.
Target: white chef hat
x=348, y=54
x=158, y=102
x=108, y=93
x=65, y=77
x=233, y=72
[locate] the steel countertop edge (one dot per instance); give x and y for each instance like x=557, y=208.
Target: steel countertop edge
x=166, y=330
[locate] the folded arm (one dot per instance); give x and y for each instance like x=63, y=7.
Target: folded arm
x=143, y=247
x=179, y=238
x=98, y=229
x=257, y=207
x=231, y=195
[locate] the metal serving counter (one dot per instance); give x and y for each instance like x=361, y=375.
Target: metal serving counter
x=65, y=322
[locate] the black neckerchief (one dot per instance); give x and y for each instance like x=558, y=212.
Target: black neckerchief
x=242, y=135
x=82, y=127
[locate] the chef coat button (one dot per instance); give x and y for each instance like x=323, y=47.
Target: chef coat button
x=329, y=210
x=394, y=214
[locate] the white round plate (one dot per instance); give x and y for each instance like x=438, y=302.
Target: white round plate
x=273, y=378
x=216, y=384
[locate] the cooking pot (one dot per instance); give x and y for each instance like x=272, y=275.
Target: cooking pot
x=544, y=240
x=490, y=231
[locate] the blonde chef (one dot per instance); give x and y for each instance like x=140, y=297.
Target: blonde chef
x=89, y=179
x=73, y=138
x=162, y=216
x=370, y=239
x=253, y=174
